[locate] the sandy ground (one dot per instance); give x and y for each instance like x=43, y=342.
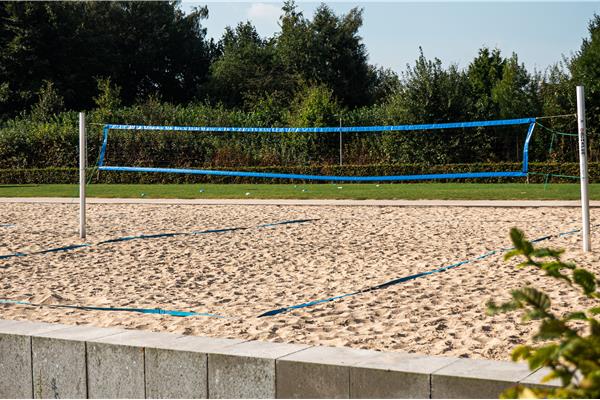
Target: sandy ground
x=241, y=274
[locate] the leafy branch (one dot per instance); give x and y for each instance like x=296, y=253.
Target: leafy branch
x=571, y=353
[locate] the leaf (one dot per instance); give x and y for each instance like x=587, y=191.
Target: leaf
x=542, y=356
x=594, y=310
x=554, y=268
x=521, y=352
x=551, y=329
x=592, y=379
x=518, y=239
x=510, y=393
x=533, y=315
x=493, y=309
x=594, y=327
x=528, y=393
x=585, y=366
x=577, y=315
x=550, y=376
x=572, y=348
x=533, y=297
x=512, y=253
x=564, y=374
x=545, y=252
x=568, y=355
x=585, y=279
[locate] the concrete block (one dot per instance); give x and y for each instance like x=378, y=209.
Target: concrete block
x=204, y=344
x=115, y=371
x=6, y=323
x=79, y=333
x=318, y=372
x=345, y=372
x=59, y=361
x=50, y=360
x=175, y=366
x=535, y=380
x=395, y=375
x=28, y=327
x=174, y=374
x=178, y=368
x=299, y=380
x=468, y=378
x=15, y=366
x=246, y=370
x=143, y=339
x=116, y=363
x=170, y=341
x=16, y=380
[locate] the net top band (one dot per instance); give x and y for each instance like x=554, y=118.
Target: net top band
x=382, y=128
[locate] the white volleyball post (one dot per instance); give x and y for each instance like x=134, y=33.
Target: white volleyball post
x=583, y=170
x=82, y=166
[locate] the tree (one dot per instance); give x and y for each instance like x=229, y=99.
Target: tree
x=483, y=73
x=313, y=106
x=556, y=96
x=514, y=97
x=153, y=47
x=327, y=51
x=144, y=47
x=585, y=69
x=49, y=103
x=512, y=93
x=248, y=69
x=556, y=91
x=428, y=94
x=108, y=100
x=386, y=83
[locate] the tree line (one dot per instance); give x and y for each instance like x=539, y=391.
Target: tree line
x=115, y=57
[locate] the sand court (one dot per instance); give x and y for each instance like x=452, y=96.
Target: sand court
x=243, y=273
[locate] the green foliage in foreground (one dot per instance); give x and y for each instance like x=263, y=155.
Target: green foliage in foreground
x=570, y=351
x=413, y=191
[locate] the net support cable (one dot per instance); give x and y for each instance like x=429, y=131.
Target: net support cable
x=554, y=133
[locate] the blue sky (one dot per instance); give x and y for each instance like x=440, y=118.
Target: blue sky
x=539, y=32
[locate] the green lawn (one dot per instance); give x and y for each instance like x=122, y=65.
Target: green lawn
x=413, y=191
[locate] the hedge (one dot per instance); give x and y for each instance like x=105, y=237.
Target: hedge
x=27, y=143
x=53, y=175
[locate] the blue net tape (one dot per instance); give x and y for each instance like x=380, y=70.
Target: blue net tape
x=53, y=250
x=174, y=313
x=152, y=236
x=384, y=128
x=406, y=278
x=297, y=306
x=329, y=129
x=337, y=178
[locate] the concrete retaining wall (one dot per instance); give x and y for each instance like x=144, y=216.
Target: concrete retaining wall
x=39, y=360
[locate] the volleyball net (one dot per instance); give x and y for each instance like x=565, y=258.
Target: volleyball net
x=224, y=151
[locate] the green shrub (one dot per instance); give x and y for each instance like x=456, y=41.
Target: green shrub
x=49, y=103
x=51, y=140
x=47, y=175
x=570, y=352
